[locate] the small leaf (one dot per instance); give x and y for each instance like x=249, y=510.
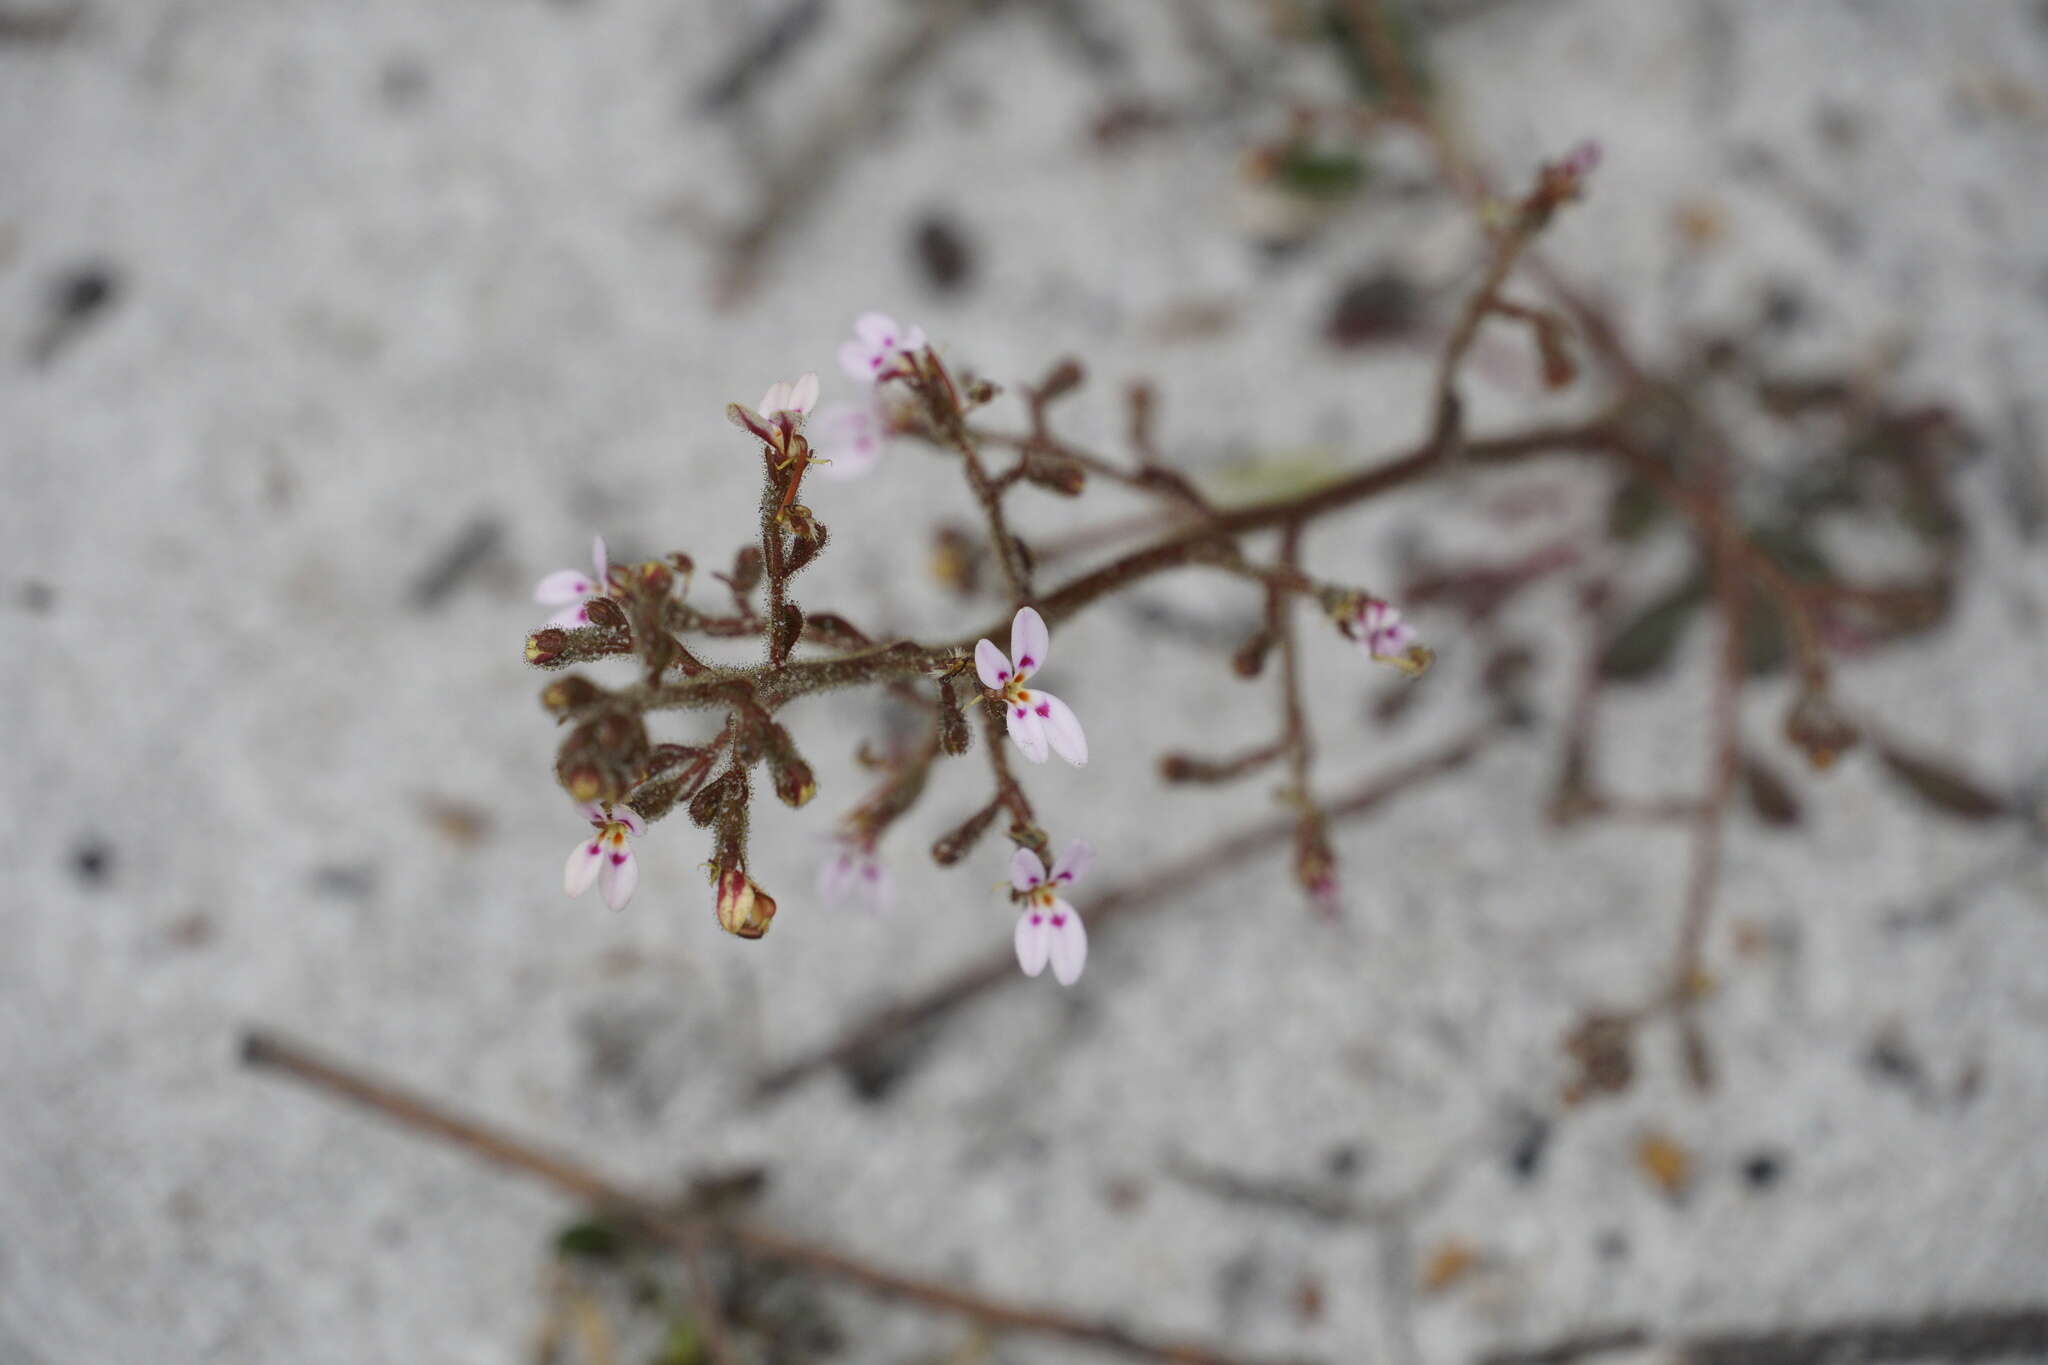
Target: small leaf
x=592, y=1239
x=1944, y=788
x=1770, y=796
x=1318, y=174
x=1643, y=646
x=1634, y=511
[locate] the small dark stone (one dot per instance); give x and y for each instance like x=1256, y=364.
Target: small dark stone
x=404, y=83
x=36, y=596
x=1762, y=1169
x=943, y=253
x=1784, y=306
x=92, y=862
x=1372, y=311
x=1525, y=1158
x=85, y=291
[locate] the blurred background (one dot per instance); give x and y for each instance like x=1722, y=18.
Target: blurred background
x=326, y=331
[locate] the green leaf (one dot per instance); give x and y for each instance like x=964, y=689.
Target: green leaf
x=1643, y=646
x=592, y=1239
x=1319, y=174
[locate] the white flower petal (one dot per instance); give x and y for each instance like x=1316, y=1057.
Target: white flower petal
x=584, y=861
x=1033, y=940
x=991, y=665
x=834, y=875
x=773, y=401
x=621, y=875
x=1026, y=870
x=594, y=812
x=1074, y=863
x=858, y=361
x=630, y=818
x=1062, y=727
x=1028, y=730
x=603, y=564
x=1069, y=945
x=1030, y=642
x=878, y=330
x=911, y=340
x=875, y=886
x=565, y=585
x=803, y=395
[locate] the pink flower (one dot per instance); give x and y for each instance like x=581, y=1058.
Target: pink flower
x=789, y=400
x=854, y=876
x=606, y=857
x=1380, y=632
x=1038, y=720
x=1049, y=929
x=847, y=439
x=878, y=344
x=576, y=586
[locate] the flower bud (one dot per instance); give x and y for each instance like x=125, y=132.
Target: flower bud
x=743, y=907
x=605, y=613
x=655, y=579
x=583, y=782
x=570, y=693
x=1818, y=728
x=682, y=563
x=1315, y=867
x=794, y=782
x=1055, y=473
x=955, y=843
x=544, y=648
x=746, y=568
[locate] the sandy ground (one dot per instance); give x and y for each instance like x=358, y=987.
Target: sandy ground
x=364, y=284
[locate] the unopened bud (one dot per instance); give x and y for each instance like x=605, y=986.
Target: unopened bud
x=1817, y=727
x=544, y=647
x=743, y=907
x=570, y=693
x=1063, y=378
x=655, y=578
x=682, y=563
x=794, y=782
x=583, y=782
x=1055, y=473
x=604, y=612
x=711, y=799
x=746, y=568
x=1250, y=659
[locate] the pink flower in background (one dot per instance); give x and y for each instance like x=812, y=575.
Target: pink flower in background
x=853, y=876
x=878, y=344
x=1380, y=632
x=1038, y=720
x=847, y=437
x=575, y=586
x=606, y=857
x=1049, y=929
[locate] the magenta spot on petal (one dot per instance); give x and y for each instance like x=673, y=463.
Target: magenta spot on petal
x=1026, y=662
x=594, y=850
x=871, y=872
x=1037, y=918
x=1002, y=675
x=1020, y=713
x=1045, y=708
x=1058, y=920
x=618, y=858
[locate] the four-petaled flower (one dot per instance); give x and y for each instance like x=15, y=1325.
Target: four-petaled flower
x=789, y=400
x=853, y=875
x=877, y=346
x=1049, y=929
x=1380, y=632
x=575, y=586
x=846, y=439
x=1037, y=719
x=606, y=857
